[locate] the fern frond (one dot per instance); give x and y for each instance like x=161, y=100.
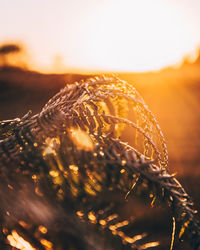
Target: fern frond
x=67, y=157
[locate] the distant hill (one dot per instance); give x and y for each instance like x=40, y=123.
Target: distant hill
x=21, y=90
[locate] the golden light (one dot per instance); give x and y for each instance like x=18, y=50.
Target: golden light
x=47, y=244
x=15, y=240
x=81, y=139
x=42, y=229
x=54, y=173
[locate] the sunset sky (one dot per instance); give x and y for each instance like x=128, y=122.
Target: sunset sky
x=117, y=35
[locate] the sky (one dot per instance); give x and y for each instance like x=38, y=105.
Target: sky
x=107, y=35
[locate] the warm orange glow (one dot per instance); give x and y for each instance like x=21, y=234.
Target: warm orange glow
x=54, y=173
x=47, y=244
x=150, y=244
x=81, y=139
x=74, y=168
x=18, y=242
x=42, y=229
x=92, y=217
x=80, y=213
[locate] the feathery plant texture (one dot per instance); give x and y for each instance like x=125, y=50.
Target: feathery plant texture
x=57, y=167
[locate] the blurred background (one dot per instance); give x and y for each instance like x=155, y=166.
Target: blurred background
x=155, y=45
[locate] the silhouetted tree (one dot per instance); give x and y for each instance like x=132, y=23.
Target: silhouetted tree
x=6, y=50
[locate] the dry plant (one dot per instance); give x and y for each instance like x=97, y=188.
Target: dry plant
x=66, y=171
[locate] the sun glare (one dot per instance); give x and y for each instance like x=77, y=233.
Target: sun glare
x=135, y=36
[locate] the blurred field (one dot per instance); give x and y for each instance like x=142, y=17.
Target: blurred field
x=172, y=94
